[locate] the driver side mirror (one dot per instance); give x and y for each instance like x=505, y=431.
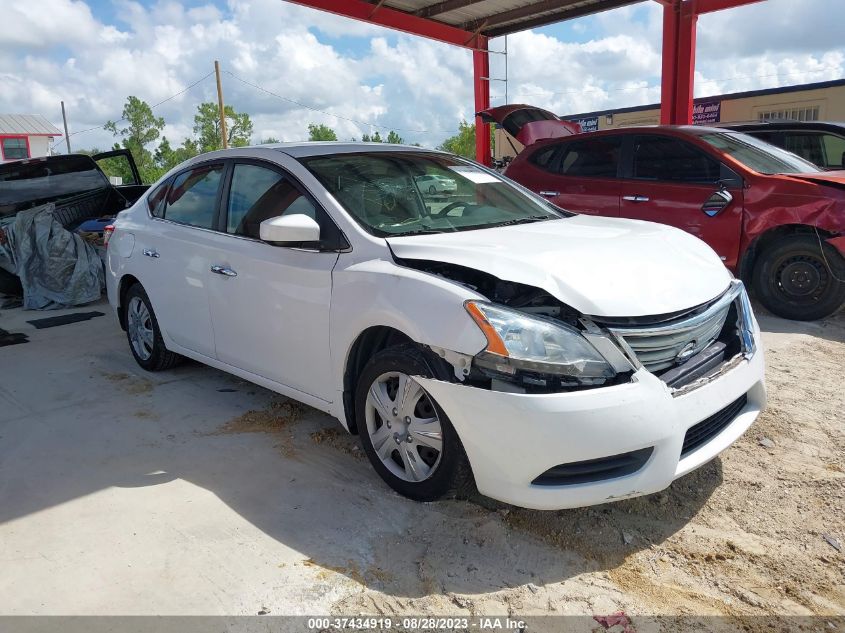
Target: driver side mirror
x=287, y=229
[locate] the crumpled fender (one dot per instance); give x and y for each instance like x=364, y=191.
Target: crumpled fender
x=426, y=308
x=828, y=214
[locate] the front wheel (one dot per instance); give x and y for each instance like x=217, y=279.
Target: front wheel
x=406, y=435
x=800, y=277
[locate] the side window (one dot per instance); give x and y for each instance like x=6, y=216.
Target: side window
x=258, y=194
x=808, y=145
x=155, y=201
x=547, y=157
x=834, y=150
x=668, y=159
x=192, y=198
x=593, y=158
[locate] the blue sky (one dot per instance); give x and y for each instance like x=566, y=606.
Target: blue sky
x=95, y=53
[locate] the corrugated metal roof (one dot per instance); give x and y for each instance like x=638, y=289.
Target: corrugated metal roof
x=494, y=18
x=27, y=124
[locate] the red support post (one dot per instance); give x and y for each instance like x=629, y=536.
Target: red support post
x=678, y=80
x=671, y=11
x=481, y=84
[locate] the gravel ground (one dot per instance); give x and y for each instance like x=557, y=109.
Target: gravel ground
x=760, y=530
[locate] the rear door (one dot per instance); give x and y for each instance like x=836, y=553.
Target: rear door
x=175, y=254
x=578, y=175
x=671, y=181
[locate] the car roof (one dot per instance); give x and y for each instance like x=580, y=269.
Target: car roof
x=324, y=148
x=786, y=125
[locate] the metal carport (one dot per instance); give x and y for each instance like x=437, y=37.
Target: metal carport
x=472, y=23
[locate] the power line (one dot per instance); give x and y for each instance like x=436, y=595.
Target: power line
x=163, y=101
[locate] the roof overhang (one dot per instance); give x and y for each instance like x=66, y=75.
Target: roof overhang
x=467, y=23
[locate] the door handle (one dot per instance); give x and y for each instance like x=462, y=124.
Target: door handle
x=550, y=194
x=222, y=270
x=151, y=253
x=636, y=198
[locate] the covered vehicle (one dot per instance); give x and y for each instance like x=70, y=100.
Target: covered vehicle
x=81, y=193
x=481, y=336
x=775, y=220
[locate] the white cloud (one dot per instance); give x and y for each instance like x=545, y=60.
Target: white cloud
x=360, y=74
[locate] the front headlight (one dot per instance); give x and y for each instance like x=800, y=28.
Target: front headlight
x=517, y=341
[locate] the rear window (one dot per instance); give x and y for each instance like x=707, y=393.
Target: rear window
x=26, y=184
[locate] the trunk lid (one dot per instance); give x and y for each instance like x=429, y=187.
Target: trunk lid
x=528, y=124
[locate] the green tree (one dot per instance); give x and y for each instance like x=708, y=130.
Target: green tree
x=463, y=143
x=320, y=132
x=141, y=129
x=376, y=138
x=166, y=157
x=393, y=137
x=366, y=138
x=269, y=139
x=207, y=127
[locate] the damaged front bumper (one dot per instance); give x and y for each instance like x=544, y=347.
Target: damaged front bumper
x=512, y=439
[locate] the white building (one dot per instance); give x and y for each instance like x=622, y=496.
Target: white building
x=25, y=136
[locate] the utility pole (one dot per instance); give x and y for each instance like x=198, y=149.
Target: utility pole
x=220, y=104
x=67, y=136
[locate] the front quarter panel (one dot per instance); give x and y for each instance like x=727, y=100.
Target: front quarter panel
x=378, y=292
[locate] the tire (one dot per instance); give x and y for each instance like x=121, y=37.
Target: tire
x=143, y=333
x=798, y=278
x=10, y=284
x=414, y=469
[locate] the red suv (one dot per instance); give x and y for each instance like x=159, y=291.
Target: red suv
x=775, y=219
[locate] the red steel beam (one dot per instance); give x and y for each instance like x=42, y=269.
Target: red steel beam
x=481, y=84
x=709, y=6
x=680, y=18
x=399, y=20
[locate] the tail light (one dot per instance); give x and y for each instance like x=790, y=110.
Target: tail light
x=107, y=231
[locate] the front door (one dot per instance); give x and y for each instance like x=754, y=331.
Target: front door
x=270, y=303
x=670, y=181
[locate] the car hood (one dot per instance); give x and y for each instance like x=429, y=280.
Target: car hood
x=830, y=178
x=599, y=266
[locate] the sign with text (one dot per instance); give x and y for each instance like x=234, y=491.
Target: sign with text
x=590, y=124
x=706, y=112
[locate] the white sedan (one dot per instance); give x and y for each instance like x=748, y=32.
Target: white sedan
x=552, y=360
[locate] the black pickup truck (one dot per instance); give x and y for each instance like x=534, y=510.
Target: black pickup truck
x=79, y=186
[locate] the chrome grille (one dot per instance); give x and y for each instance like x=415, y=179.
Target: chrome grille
x=666, y=345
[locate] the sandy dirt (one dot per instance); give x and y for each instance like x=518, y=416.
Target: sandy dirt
x=217, y=496
x=760, y=530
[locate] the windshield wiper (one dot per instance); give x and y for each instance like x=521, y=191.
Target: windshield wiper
x=526, y=220
x=417, y=232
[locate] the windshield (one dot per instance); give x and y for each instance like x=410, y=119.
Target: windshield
x=28, y=183
x=759, y=155
x=403, y=193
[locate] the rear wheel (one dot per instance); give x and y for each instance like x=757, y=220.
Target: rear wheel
x=799, y=277
x=144, y=335
x=406, y=435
